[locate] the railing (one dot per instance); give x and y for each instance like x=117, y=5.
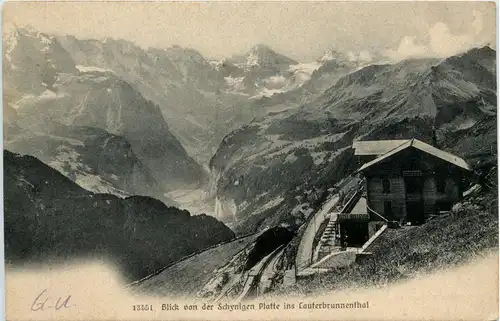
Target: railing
x=356, y=217
x=374, y=212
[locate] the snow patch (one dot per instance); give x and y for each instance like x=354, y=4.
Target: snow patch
x=306, y=68
x=278, y=81
x=225, y=209
x=252, y=59
x=10, y=44
x=329, y=55
x=67, y=162
x=96, y=184
x=93, y=69
x=266, y=92
x=235, y=83
x=216, y=64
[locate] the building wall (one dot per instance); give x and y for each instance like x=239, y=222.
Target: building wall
x=397, y=195
x=377, y=197
x=408, y=162
x=452, y=189
x=398, y=199
x=430, y=195
x=451, y=192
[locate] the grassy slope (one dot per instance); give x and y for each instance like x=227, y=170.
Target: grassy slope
x=185, y=278
x=468, y=231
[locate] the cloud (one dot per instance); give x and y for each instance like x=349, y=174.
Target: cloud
x=441, y=42
x=275, y=82
x=363, y=56
x=477, y=24
x=408, y=48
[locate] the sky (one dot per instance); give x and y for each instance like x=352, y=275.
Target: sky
x=301, y=30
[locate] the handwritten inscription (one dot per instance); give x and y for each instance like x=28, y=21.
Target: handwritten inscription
x=45, y=302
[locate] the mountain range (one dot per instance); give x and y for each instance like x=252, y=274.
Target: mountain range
x=172, y=105
x=265, y=135
x=268, y=171
x=47, y=95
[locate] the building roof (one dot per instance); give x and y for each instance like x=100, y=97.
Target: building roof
x=426, y=148
x=360, y=207
x=376, y=147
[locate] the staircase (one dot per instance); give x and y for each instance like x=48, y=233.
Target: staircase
x=327, y=243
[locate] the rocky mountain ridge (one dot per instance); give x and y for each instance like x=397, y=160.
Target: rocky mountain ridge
x=90, y=97
x=94, y=159
x=198, y=96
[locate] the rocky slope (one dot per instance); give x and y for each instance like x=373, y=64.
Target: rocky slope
x=264, y=172
x=92, y=98
x=197, y=97
x=93, y=158
x=308, y=81
x=50, y=219
x=202, y=99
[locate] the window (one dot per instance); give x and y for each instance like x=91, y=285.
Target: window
x=440, y=184
x=386, y=185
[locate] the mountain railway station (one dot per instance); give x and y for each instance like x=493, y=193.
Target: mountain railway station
x=406, y=185
x=399, y=183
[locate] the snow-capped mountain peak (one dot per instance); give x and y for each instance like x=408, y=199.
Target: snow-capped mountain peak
x=262, y=56
x=331, y=55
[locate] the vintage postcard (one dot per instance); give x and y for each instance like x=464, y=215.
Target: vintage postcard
x=250, y=160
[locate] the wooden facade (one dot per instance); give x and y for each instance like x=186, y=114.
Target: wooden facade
x=411, y=185
x=406, y=181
